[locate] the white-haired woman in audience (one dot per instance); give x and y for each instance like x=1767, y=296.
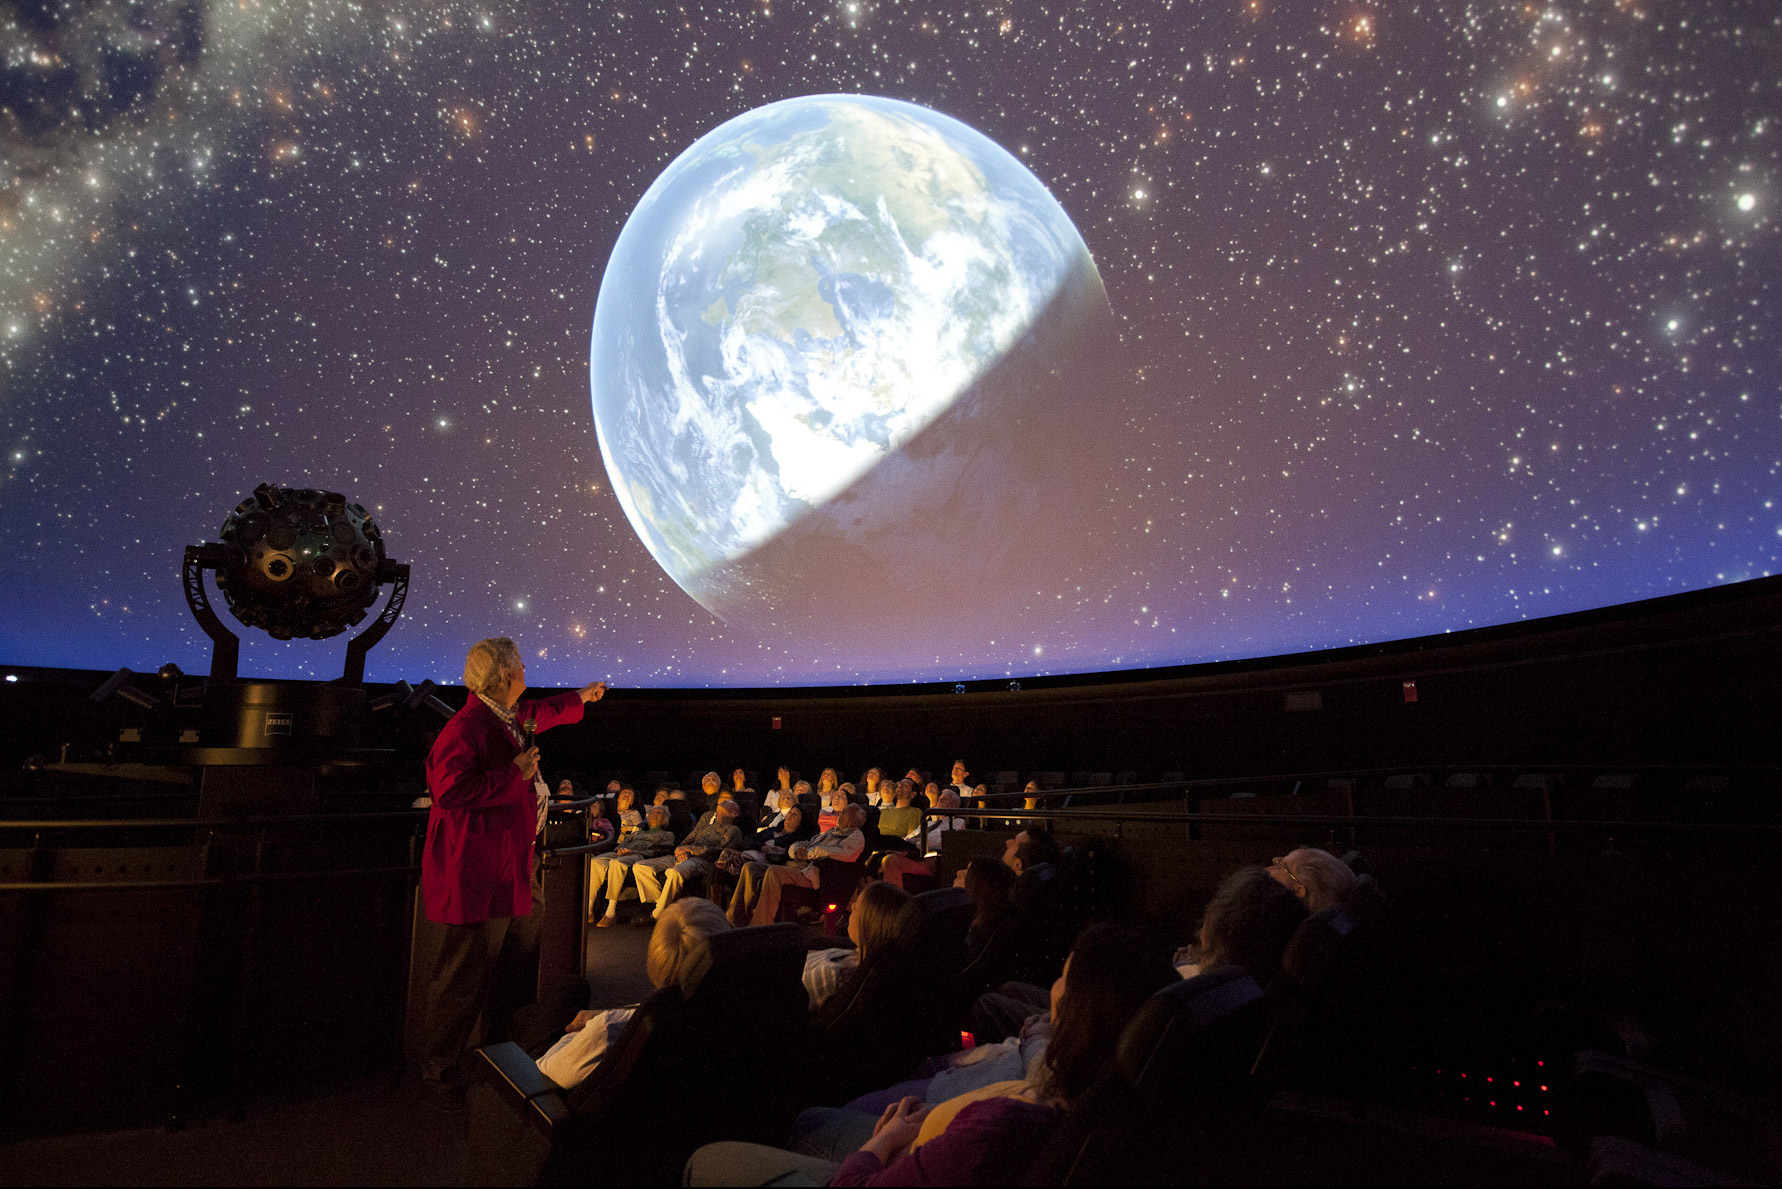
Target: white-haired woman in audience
x=1317, y=877
x=680, y=931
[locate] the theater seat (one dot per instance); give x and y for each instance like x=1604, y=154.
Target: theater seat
x=1330, y=972
x=1182, y=1071
x=743, y=995
x=898, y=1010
x=836, y=882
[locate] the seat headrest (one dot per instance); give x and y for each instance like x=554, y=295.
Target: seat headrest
x=1168, y=1023
x=938, y=900
x=735, y=947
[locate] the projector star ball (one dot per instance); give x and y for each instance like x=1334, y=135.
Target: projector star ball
x=849, y=340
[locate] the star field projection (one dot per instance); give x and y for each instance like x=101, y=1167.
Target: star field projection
x=1434, y=315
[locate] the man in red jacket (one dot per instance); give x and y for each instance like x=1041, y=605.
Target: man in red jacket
x=478, y=877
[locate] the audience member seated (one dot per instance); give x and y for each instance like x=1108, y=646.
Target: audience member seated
x=626, y=814
x=739, y=784
x=895, y=867
x=989, y=1135
x=961, y=779
x=709, y=786
x=788, y=799
x=1032, y=854
x=899, y=819
x=680, y=813
x=990, y=939
x=662, y=879
x=876, y=791
x=610, y=870
x=874, y=926
x=834, y=801
x=757, y=898
x=600, y=824
x=782, y=781
x=770, y=843
x=827, y=782
x=1248, y=923
x=682, y=929
x=1317, y=877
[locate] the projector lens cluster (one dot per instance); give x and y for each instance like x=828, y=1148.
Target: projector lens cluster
x=300, y=562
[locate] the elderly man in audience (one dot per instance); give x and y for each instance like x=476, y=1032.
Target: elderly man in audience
x=662, y=879
x=1317, y=877
x=773, y=814
x=759, y=886
x=709, y=784
x=654, y=840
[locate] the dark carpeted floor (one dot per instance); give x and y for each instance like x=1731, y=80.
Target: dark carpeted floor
x=369, y=1131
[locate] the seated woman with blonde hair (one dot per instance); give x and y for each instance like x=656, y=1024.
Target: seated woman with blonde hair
x=681, y=930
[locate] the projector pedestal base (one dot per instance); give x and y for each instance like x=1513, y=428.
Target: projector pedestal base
x=263, y=791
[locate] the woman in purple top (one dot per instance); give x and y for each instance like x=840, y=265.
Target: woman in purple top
x=1111, y=971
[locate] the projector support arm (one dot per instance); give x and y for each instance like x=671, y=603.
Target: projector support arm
x=396, y=574
x=225, y=654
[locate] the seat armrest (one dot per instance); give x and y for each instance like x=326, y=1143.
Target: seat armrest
x=520, y=1072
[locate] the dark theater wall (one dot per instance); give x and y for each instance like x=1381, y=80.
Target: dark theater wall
x=1685, y=681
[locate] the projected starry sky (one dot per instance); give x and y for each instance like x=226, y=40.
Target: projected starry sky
x=1431, y=315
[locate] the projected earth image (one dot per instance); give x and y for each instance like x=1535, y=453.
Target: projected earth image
x=844, y=347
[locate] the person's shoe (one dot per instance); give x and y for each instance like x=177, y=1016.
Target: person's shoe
x=445, y=1097
x=606, y=922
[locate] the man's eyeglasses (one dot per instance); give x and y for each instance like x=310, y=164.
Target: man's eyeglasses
x=1280, y=864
